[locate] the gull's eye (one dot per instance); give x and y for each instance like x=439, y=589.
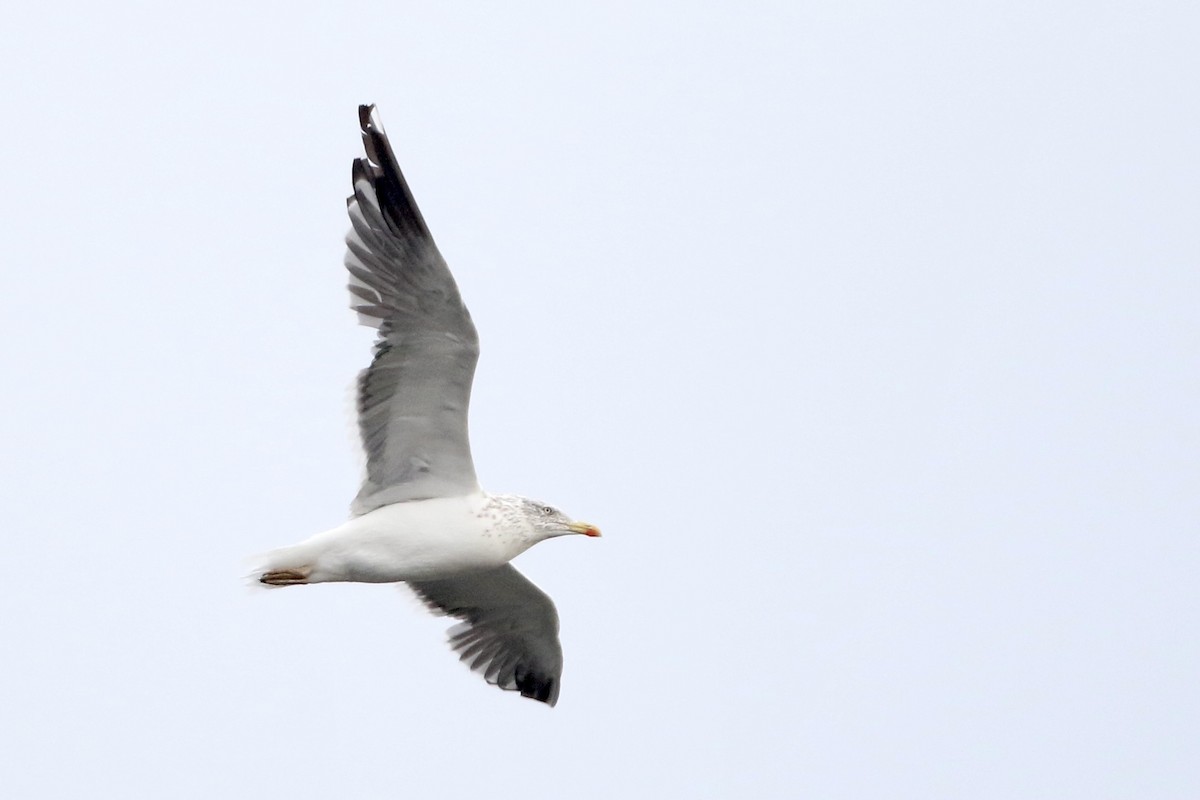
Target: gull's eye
x=547, y=511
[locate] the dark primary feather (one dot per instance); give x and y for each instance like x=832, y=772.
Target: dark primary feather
x=509, y=632
x=413, y=398
x=394, y=195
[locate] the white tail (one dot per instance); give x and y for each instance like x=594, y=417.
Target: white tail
x=287, y=566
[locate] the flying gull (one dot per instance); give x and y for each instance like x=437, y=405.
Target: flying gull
x=420, y=517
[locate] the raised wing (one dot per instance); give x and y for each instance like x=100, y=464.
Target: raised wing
x=510, y=629
x=413, y=399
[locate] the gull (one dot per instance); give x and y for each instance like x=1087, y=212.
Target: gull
x=420, y=517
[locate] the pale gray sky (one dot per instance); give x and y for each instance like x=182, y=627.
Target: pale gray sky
x=866, y=331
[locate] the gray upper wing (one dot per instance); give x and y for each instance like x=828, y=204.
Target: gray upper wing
x=509, y=632
x=413, y=398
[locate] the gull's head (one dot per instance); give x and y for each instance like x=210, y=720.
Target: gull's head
x=547, y=521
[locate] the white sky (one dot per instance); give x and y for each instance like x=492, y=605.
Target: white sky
x=865, y=330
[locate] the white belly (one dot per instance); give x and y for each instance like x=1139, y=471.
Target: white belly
x=419, y=540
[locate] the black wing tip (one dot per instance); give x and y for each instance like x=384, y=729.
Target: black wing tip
x=381, y=169
x=540, y=687
x=375, y=139
x=369, y=123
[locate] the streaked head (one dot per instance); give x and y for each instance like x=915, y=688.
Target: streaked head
x=548, y=521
